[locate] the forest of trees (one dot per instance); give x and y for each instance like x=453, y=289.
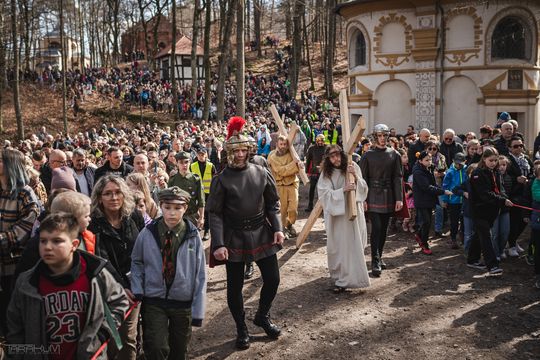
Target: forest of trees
x=216, y=25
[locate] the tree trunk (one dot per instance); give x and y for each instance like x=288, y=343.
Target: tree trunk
x=248, y=21
x=142, y=8
x=15, y=86
x=257, y=25
x=64, y=65
x=172, y=63
x=288, y=19
x=308, y=57
x=223, y=60
x=207, y=78
x=194, y=60
x=82, y=52
x=2, y=64
x=330, y=49
x=296, y=59
x=240, y=60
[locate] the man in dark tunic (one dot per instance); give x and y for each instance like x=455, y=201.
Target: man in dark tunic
x=383, y=172
x=245, y=226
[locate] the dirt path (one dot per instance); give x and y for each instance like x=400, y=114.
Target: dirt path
x=422, y=307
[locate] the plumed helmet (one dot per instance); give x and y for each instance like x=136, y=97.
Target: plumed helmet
x=381, y=128
x=236, y=140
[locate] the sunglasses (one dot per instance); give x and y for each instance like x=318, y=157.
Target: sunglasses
x=517, y=146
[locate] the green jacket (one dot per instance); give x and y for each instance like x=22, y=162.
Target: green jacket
x=193, y=185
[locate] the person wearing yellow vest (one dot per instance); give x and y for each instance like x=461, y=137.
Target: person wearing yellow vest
x=330, y=134
x=284, y=169
x=206, y=170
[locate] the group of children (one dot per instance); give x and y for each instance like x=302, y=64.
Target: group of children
x=476, y=198
x=81, y=304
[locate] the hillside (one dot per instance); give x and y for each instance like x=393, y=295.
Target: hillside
x=41, y=106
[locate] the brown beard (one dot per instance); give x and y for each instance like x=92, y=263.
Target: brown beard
x=282, y=152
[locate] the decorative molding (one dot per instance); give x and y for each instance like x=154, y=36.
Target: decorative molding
x=522, y=13
x=363, y=88
x=424, y=101
x=425, y=54
x=478, y=22
x=510, y=94
x=492, y=85
x=392, y=60
x=447, y=69
x=461, y=56
x=522, y=103
x=425, y=38
x=530, y=82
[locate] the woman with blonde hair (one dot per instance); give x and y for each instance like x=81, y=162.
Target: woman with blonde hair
x=138, y=182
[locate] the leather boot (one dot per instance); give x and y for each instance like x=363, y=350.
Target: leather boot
x=242, y=336
x=271, y=329
x=376, y=268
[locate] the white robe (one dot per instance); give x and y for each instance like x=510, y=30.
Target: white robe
x=346, y=240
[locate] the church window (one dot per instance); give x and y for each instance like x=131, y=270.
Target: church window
x=512, y=39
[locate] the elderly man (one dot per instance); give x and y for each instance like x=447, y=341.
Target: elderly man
x=114, y=165
x=84, y=174
x=418, y=146
x=57, y=159
x=501, y=144
x=449, y=147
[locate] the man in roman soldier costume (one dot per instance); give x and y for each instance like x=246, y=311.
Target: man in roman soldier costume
x=383, y=172
x=245, y=226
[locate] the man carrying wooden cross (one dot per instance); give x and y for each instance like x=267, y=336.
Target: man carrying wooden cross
x=382, y=169
x=285, y=168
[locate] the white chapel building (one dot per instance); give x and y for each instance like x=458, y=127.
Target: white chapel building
x=444, y=64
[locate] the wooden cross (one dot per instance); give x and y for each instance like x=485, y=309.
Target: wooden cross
x=350, y=141
x=290, y=138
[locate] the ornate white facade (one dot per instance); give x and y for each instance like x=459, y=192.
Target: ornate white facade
x=441, y=64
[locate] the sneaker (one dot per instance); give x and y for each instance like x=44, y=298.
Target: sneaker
x=529, y=259
x=418, y=239
x=426, y=251
x=512, y=252
x=437, y=234
x=495, y=270
x=292, y=231
x=454, y=244
x=503, y=256
x=477, y=265
x=519, y=248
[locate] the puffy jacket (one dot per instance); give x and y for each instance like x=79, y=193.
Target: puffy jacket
x=189, y=283
x=453, y=179
x=425, y=190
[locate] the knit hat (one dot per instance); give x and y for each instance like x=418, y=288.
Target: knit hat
x=62, y=178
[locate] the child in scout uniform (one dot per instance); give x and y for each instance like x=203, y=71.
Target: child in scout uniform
x=192, y=184
x=168, y=275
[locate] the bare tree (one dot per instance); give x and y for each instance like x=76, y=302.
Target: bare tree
x=207, y=78
x=296, y=58
x=194, y=44
x=64, y=64
x=16, y=66
x=257, y=10
x=330, y=49
x=223, y=59
x=308, y=57
x=173, y=62
x=240, y=60
x=2, y=62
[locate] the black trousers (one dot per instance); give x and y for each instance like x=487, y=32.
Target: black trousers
x=535, y=248
x=206, y=218
x=6, y=286
x=454, y=212
x=481, y=244
x=313, y=179
x=517, y=225
x=235, y=282
x=424, y=223
x=379, y=227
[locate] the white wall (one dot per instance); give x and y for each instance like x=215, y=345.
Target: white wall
x=460, y=109
x=394, y=106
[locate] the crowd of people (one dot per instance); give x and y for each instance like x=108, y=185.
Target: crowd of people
x=96, y=224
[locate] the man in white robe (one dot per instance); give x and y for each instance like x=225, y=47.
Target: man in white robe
x=346, y=240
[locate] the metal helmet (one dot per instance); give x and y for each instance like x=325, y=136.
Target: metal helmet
x=381, y=128
x=237, y=141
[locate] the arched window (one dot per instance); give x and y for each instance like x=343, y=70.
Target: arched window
x=512, y=39
x=360, y=49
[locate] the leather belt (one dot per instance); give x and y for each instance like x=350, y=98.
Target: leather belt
x=381, y=183
x=250, y=223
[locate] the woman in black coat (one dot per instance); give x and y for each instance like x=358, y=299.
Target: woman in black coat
x=425, y=193
x=116, y=224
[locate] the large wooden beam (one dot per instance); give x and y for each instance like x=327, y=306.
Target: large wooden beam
x=283, y=130
x=352, y=209
x=349, y=148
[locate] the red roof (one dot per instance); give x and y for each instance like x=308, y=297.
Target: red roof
x=183, y=47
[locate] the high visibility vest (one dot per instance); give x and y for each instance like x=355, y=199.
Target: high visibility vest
x=327, y=139
x=206, y=177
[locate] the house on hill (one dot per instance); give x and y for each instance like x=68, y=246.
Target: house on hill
x=133, y=39
x=49, y=53
x=183, y=61
x=443, y=64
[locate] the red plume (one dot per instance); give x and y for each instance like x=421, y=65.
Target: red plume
x=236, y=123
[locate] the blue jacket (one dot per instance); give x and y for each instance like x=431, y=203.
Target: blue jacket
x=189, y=283
x=453, y=179
x=425, y=190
